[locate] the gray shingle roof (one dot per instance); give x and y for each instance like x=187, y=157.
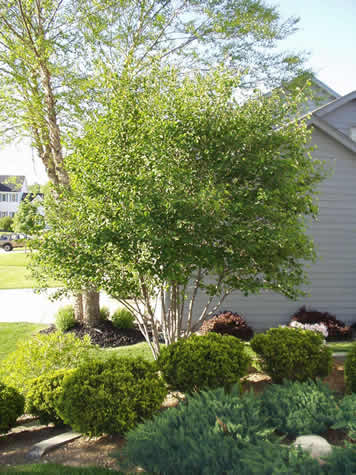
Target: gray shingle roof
x=11, y=182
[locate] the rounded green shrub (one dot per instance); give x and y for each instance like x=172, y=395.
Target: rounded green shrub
x=43, y=393
x=42, y=354
x=205, y=434
x=350, y=369
x=65, y=319
x=104, y=313
x=110, y=396
x=292, y=353
x=123, y=319
x=299, y=408
x=11, y=407
x=204, y=362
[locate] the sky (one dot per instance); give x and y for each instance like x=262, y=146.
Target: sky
x=327, y=30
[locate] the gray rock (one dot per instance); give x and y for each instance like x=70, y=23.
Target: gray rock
x=314, y=444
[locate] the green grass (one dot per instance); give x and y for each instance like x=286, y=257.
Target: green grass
x=55, y=469
x=11, y=333
x=14, y=274
x=341, y=346
x=140, y=349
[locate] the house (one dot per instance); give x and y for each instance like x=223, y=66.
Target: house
x=12, y=189
x=333, y=277
x=36, y=198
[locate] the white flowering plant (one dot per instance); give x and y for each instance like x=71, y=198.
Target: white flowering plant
x=316, y=327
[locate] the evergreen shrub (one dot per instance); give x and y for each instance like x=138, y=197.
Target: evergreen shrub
x=300, y=408
x=228, y=323
x=42, y=354
x=266, y=458
x=292, y=353
x=341, y=461
x=123, y=319
x=203, y=362
x=65, y=319
x=350, y=369
x=11, y=407
x=43, y=393
x=205, y=434
x=110, y=396
x=346, y=416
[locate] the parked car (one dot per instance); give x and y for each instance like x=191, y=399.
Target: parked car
x=9, y=241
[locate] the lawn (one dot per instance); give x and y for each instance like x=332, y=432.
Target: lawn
x=140, y=349
x=10, y=333
x=14, y=274
x=341, y=346
x=55, y=469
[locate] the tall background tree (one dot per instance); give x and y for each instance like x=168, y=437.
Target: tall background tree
x=179, y=189
x=60, y=59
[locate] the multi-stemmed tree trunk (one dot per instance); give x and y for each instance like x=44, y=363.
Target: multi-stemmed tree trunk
x=58, y=58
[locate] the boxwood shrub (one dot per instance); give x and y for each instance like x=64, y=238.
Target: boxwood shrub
x=350, y=369
x=11, y=407
x=203, y=362
x=110, y=396
x=292, y=353
x=43, y=393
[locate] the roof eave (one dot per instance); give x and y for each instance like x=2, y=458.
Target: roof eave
x=332, y=132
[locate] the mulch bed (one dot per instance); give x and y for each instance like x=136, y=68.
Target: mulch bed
x=104, y=334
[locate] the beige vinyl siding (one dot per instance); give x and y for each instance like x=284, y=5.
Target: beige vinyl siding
x=333, y=276
x=343, y=118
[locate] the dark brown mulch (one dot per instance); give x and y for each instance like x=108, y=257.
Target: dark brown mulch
x=104, y=334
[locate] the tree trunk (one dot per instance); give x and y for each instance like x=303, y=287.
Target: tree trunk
x=91, y=307
x=78, y=307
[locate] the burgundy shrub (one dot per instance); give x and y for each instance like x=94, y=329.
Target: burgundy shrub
x=337, y=330
x=228, y=323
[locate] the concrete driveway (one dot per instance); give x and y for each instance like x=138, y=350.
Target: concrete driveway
x=23, y=305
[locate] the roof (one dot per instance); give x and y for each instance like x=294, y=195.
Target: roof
x=32, y=196
x=318, y=121
x=325, y=87
x=11, y=182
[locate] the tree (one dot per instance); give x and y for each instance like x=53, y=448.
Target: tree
x=179, y=189
x=28, y=218
x=59, y=59
x=6, y=224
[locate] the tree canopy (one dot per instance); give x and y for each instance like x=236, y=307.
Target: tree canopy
x=178, y=189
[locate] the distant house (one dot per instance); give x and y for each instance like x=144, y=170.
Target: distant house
x=333, y=277
x=12, y=190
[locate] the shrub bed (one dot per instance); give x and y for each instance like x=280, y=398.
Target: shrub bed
x=203, y=362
